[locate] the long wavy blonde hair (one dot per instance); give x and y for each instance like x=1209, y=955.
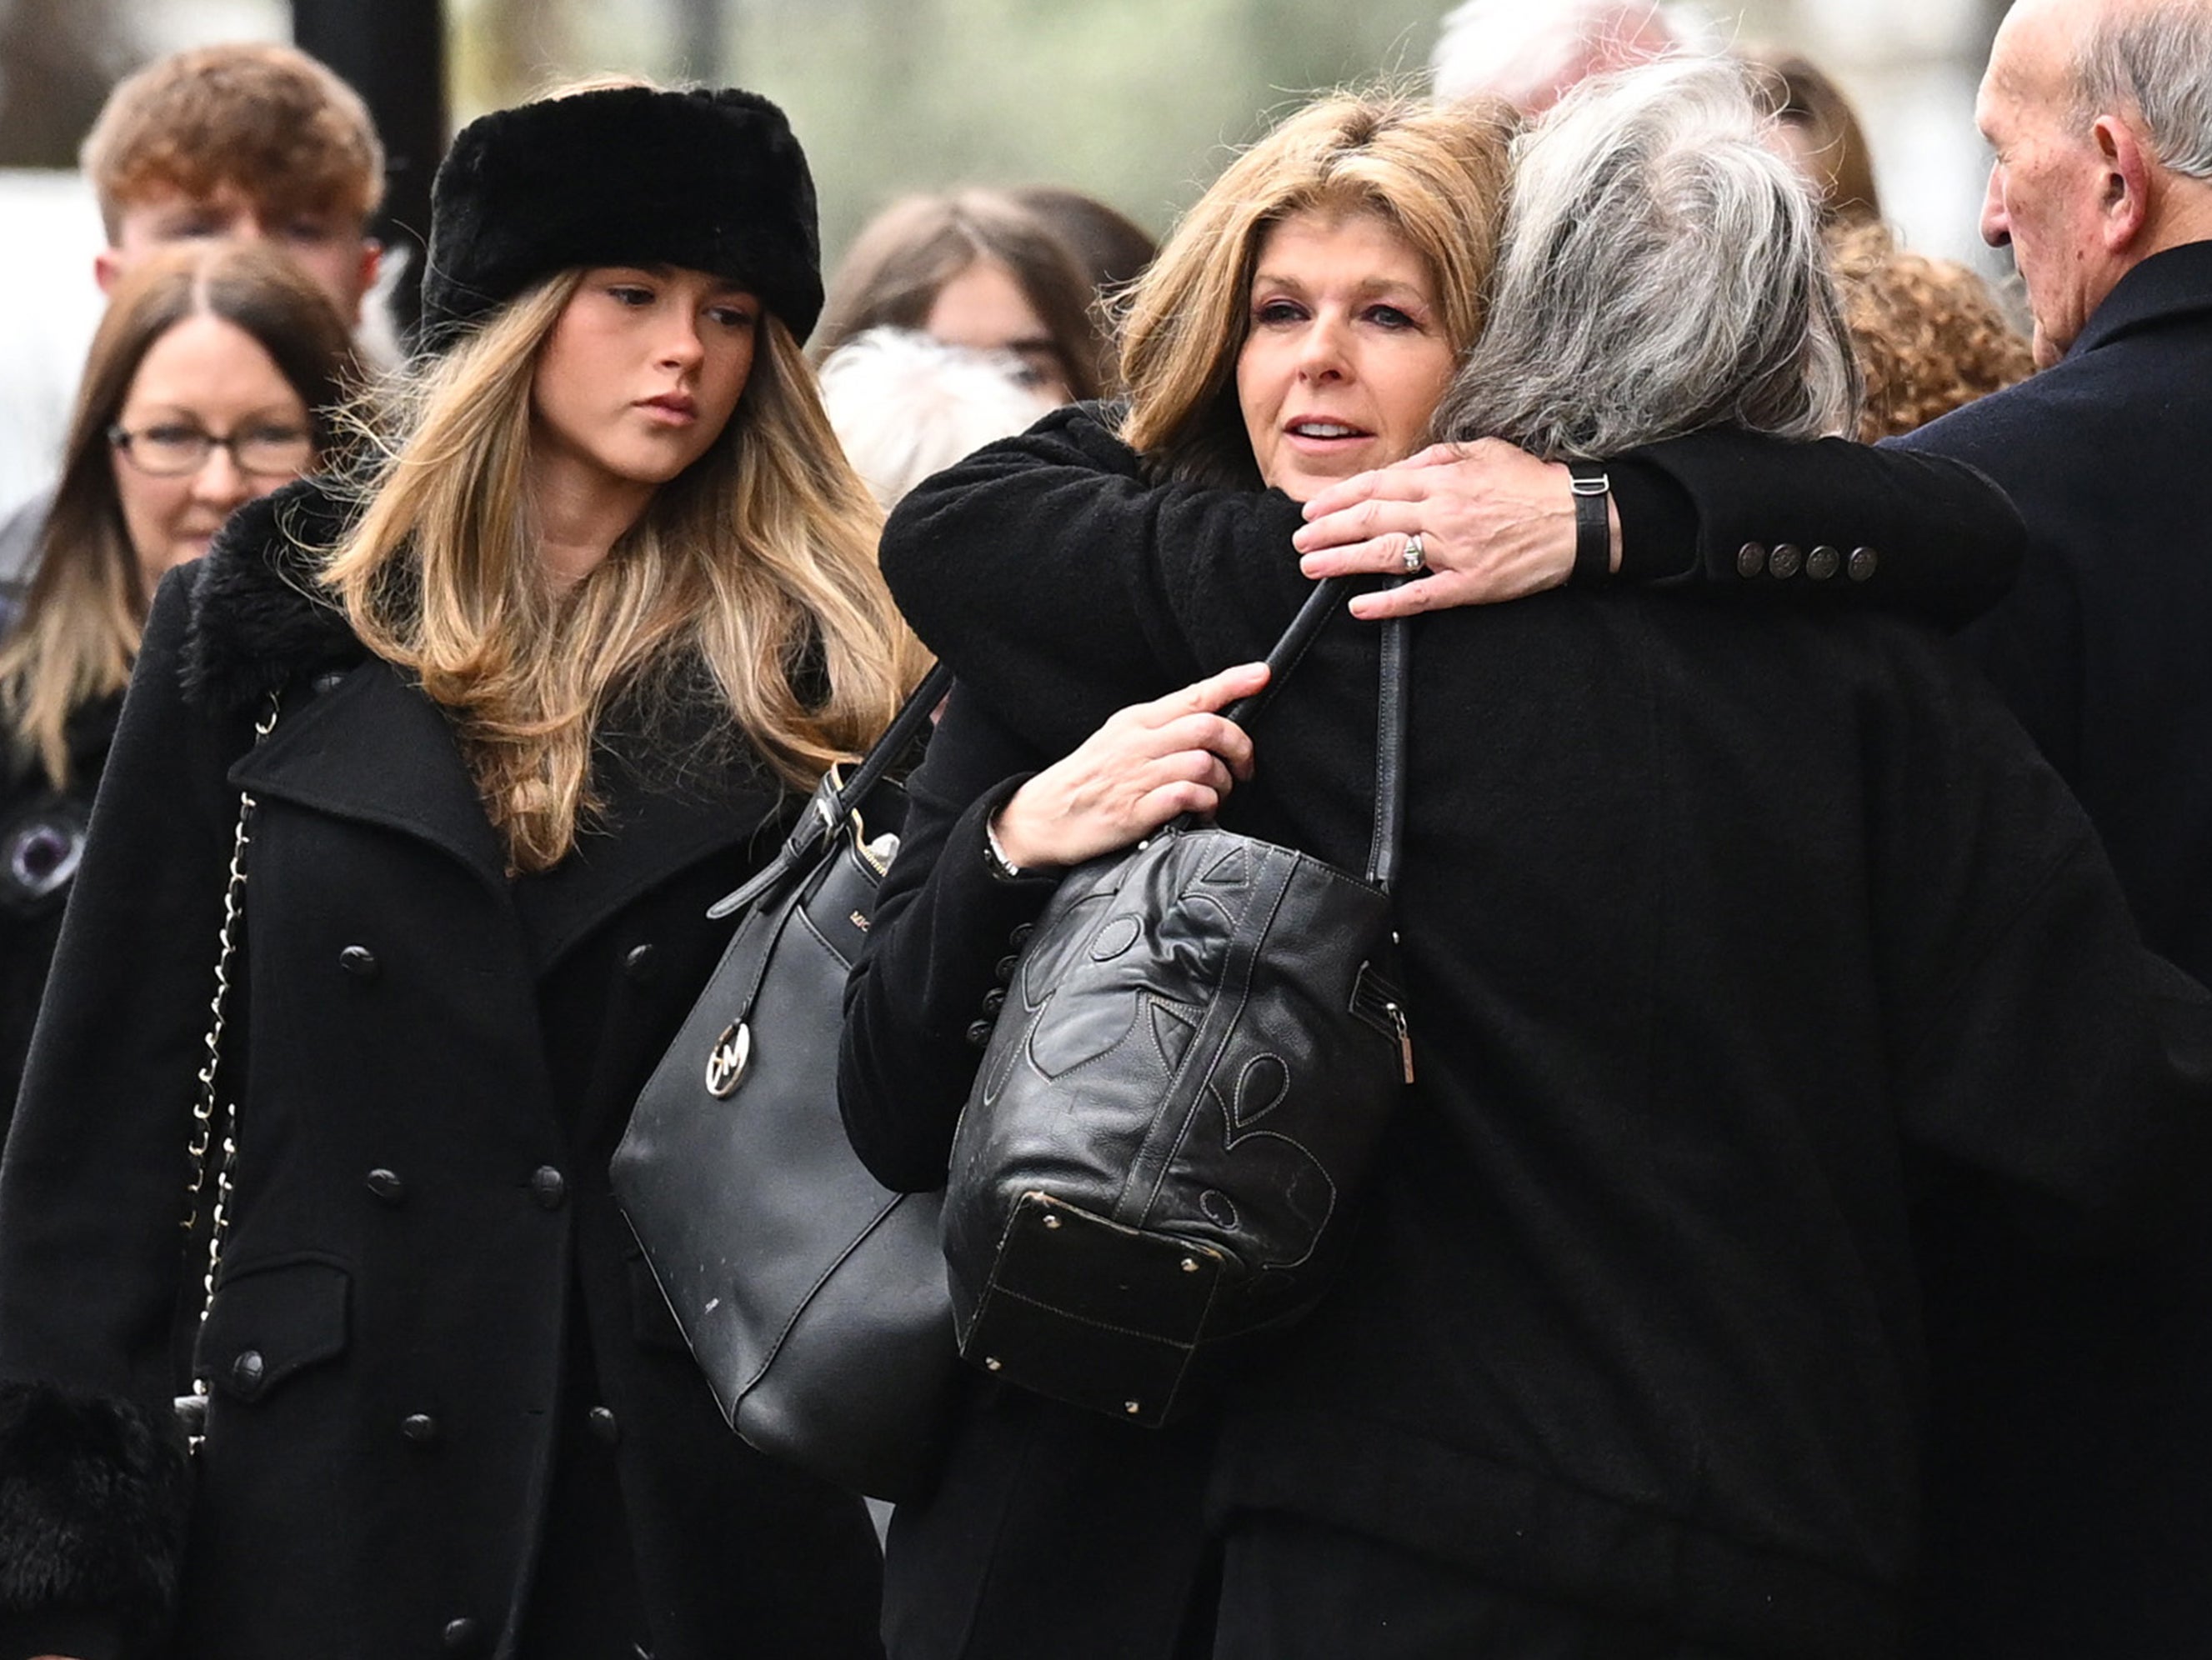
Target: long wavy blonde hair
x=1437, y=173
x=755, y=565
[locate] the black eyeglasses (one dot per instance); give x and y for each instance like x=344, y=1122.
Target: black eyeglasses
x=173, y=451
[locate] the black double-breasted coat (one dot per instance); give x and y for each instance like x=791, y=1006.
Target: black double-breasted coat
x=449, y=1414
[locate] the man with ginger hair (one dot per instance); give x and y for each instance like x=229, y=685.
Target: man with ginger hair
x=247, y=142
x=2070, y=1509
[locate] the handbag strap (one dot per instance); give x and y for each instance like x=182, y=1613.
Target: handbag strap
x=1390, y=726
x=833, y=800
x=1323, y=603
x=906, y=726
x=192, y=1408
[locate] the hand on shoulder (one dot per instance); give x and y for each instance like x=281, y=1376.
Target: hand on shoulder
x=1495, y=523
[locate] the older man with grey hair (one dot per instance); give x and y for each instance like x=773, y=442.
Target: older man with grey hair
x=1530, y=53
x=2075, y=1515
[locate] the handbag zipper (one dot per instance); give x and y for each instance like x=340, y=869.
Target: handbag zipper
x=1374, y=1000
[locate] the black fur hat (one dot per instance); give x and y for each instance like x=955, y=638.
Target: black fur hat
x=711, y=181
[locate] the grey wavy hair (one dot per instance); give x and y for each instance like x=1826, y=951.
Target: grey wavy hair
x=1663, y=271
x=2156, y=59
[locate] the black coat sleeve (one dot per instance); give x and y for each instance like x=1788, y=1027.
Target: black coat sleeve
x=93, y=1486
x=1944, y=542
x=1050, y=561
x=944, y=922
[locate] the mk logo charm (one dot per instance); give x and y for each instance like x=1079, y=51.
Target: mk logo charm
x=726, y=1061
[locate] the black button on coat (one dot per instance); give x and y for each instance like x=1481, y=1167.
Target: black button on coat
x=317, y=1529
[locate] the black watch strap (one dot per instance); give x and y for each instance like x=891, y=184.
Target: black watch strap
x=1593, y=492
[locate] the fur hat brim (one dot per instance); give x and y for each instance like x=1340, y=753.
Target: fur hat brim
x=711, y=181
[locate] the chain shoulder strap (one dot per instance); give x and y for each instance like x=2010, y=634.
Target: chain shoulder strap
x=191, y=1409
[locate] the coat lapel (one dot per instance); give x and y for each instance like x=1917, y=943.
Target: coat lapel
x=652, y=828
x=374, y=749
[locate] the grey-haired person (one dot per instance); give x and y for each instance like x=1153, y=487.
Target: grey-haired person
x=2072, y=1514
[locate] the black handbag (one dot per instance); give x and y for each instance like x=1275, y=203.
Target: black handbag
x=813, y=1297
x=1201, y=1046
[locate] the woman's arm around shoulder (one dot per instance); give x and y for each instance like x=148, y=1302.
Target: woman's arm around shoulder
x=1921, y=534
x=1063, y=584
x=1060, y=579
x=1728, y=514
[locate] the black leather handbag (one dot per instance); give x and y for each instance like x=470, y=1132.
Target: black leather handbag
x=813, y=1297
x=1201, y=1046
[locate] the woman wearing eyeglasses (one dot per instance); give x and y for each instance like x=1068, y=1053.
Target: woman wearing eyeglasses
x=205, y=388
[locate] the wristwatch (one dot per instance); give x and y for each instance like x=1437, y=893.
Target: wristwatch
x=1593, y=492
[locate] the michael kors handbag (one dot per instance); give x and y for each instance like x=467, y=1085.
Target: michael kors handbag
x=813, y=1299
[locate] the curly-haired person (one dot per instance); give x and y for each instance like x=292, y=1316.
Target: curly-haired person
x=1930, y=333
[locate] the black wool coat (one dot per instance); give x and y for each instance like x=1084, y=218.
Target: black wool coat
x=2075, y=1517
x=446, y=1399
x=1732, y=940
x=42, y=832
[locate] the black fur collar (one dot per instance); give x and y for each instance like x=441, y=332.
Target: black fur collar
x=257, y=621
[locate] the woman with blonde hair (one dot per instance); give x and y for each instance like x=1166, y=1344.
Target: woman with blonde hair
x=1293, y=343
x=1433, y=177
x=211, y=381
x=508, y=714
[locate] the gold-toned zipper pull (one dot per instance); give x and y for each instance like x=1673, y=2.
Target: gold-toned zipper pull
x=1404, y=1037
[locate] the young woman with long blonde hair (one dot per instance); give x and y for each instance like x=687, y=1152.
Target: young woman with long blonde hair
x=531, y=693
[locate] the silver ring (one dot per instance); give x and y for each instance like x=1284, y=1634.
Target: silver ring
x=1415, y=558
